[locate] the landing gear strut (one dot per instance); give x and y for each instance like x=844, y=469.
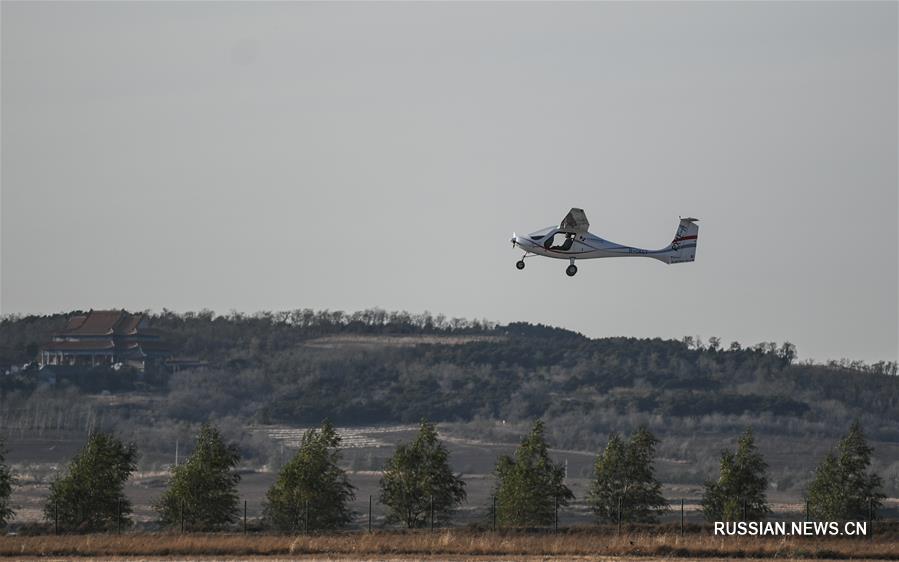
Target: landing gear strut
x=520, y=263
x=571, y=269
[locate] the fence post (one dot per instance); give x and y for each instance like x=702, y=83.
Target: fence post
x=619, y=515
x=682, y=517
x=306, y=517
x=871, y=517
x=245, y=517
x=432, y=512
x=118, y=519
x=806, y=510
x=56, y=518
x=556, y=515
x=369, y=514
x=182, y=515
x=494, y=514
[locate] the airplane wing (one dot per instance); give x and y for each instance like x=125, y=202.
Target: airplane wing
x=576, y=220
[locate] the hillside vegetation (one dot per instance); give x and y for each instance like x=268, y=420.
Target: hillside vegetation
x=297, y=368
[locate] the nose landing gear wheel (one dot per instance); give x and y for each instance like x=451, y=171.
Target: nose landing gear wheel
x=519, y=264
x=571, y=270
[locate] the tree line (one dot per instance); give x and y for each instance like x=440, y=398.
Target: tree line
x=418, y=487
x=22, y=335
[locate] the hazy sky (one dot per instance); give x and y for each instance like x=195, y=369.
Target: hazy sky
x=257, y=156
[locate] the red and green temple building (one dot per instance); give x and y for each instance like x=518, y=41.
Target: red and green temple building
x=105, y=338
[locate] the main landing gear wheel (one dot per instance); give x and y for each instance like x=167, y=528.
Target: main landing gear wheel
x=571, y=270
x=519, y=264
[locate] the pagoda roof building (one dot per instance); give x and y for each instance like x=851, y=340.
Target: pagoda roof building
x=106, y=338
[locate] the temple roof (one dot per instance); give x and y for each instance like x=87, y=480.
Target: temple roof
x=107, y=331
x=103, y=323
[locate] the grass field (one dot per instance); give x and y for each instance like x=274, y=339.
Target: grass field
x=462, y=544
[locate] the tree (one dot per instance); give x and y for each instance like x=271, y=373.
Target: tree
x=90, y=496
x=418, y=479
x=739, y=492
x=7, y=480
x=787, y=352
x=202, y=492
x=530, y=486
x=842, y=488
x=311, y=487
x=624, y=481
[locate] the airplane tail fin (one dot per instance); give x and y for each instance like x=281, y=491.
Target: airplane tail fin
x=683, y=248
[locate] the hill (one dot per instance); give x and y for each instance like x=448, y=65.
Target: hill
x=483, y=381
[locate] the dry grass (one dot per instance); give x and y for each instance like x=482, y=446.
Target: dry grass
x=451, y=543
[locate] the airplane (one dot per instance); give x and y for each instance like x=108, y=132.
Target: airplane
x=571, y=241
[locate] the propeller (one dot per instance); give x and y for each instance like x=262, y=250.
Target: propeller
x=514, y=243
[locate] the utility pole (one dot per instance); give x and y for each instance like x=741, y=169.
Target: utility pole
x=369, y=514
x=682, y=517
x=245, y=517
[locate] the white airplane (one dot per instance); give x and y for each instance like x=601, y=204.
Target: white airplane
x=571, y=241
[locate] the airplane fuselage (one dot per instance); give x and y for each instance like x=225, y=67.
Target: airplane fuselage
x=583, y=246
x=571, y=241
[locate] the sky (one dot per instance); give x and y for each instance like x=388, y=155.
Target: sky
x=269, y=156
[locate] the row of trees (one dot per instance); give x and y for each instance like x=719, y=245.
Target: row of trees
x=418, y=486
x=842, y=488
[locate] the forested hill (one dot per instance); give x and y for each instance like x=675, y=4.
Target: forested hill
x=377, y=367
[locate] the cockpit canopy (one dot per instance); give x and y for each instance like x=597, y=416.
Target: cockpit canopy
x=541, y=234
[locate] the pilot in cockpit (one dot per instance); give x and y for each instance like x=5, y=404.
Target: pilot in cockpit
x=566, y=244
